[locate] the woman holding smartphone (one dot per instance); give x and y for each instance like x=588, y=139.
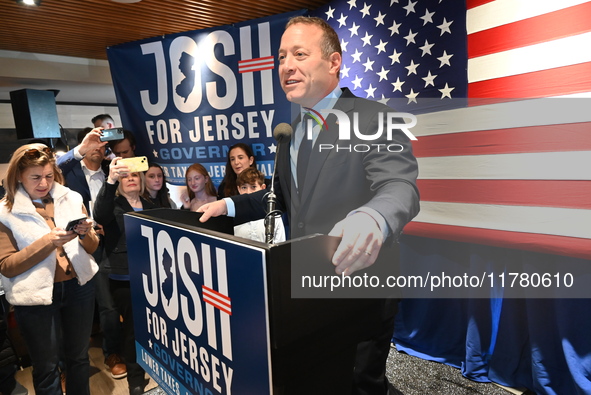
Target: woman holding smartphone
x=122, y=193
x=47, y=271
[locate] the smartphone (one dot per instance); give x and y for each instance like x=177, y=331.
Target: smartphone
x=112, y=134
x=135, y=164
x=73, y=223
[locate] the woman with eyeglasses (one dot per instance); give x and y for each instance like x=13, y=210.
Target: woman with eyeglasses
x=122, y=192
x=47, y=271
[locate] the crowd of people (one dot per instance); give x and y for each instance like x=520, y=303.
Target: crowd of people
x=53, y=274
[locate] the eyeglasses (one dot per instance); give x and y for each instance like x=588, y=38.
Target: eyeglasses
x=35, y=153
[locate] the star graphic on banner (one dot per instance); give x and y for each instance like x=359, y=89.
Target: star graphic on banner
x=395, y=1
x=410, y=38
x=383, y=74
x=397, y=85
x=353, y=30
x=370, y=91
x=446, y=91
x=379, y=19
x=445, y=26
x=412, y=96
x=155, y=153
x=367, y=39
x=444, y=59
x=343, y=20
x=368, y=65
x=357, y=56
x=365, y=10
x=381, y=47
x=426, y=48
x=394, y=28
x=410, y=7
x=352, y=3
x=272, y=148
x=329, y=13
x=345, y=71
x=395, y=57
x=150, y=344
x=428, y=17
x=357, y=82
x=412, y=67
x=429, y=79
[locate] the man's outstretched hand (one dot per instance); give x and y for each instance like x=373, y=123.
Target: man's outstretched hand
x=360, y=244
x=214, y=209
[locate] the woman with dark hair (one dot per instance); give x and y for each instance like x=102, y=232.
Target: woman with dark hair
x=48, y=271
x=156, y=189
x=200, y=189
x=240, y=157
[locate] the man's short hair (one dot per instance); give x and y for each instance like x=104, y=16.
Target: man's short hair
x=330, y=39
x=102, y=118
x=126, y=135
x=250, y=176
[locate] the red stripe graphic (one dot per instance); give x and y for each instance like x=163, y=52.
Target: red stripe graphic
x=567, y=22
x=554, y=82
x=539, y=193
x=559, y=245
x=217, y=300
x=258, y=64
x=546, y=138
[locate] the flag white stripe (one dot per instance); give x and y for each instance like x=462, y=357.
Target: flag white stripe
x=574, y=165
x=535, y=112
x=542, y=220
x=502, y=12
x=543, y=56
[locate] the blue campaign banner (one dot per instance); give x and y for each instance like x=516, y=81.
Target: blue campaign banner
x=200, y=310
x=188, y=97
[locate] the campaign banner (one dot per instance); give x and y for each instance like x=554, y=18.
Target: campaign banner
x=188, y=97
x=200, y=310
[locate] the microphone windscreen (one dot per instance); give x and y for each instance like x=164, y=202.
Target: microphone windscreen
x=282, y=130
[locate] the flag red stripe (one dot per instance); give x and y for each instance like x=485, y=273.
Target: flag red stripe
x=539, y=193
x=222, y=296
x=545, y=138
x=245, y=70
x=553, y=82
x=475, y=3
x=567, y=22
x=550, y=244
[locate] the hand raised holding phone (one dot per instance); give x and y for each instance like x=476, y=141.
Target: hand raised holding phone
x=121, y=166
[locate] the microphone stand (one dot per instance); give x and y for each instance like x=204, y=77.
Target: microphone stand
x=271, y=203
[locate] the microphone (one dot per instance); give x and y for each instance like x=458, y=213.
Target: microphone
x=280, y=132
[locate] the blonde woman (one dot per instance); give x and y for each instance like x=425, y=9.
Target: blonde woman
x=47, y=271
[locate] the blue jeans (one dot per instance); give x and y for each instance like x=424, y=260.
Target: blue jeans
x=69, y=317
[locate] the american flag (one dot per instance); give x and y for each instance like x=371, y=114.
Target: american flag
x=502, y=89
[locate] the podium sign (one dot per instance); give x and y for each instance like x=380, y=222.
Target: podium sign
x=200, y=309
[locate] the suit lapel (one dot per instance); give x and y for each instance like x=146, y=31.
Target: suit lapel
x=318, y=158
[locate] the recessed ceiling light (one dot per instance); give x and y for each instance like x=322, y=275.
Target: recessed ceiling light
x=29, y=2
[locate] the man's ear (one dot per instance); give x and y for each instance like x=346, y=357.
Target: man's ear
x=335, y=60
x=263, y=186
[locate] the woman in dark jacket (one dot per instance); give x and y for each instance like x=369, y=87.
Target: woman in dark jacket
x=122, y=193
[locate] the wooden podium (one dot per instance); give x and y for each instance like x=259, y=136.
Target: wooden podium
x=213, y=313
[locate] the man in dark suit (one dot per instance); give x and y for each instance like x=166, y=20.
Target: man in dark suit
x=84, y=168
x=368, y=188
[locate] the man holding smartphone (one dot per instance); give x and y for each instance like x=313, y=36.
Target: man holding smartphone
x=84, y=168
